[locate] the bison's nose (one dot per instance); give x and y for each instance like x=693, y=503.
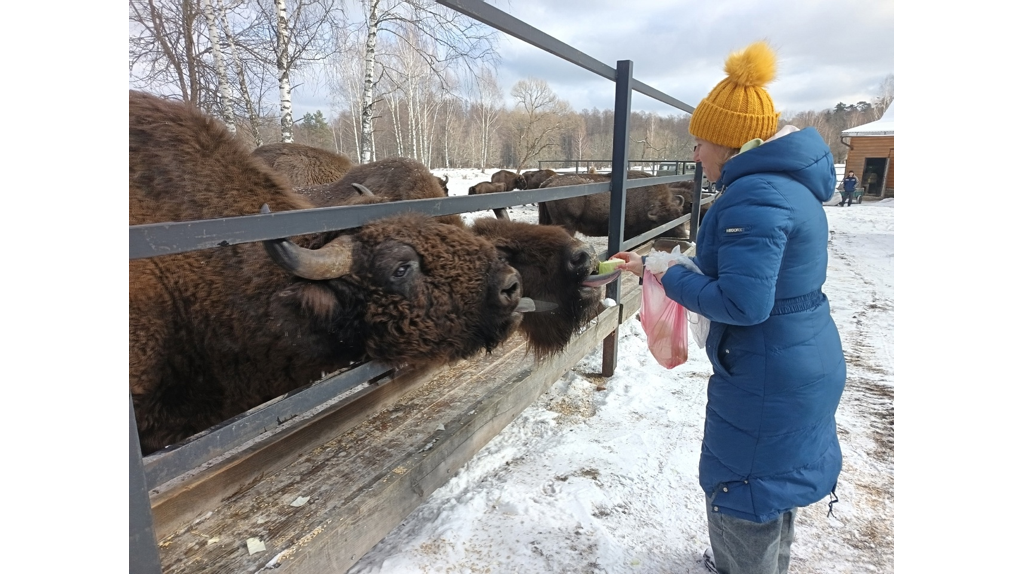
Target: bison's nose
x=511, y=290
x=580, y=260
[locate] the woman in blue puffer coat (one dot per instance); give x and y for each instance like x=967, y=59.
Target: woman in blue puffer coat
x=770, y=443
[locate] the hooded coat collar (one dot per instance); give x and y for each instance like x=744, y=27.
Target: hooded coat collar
x=802, y=155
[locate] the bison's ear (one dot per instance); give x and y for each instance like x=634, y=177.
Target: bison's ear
x=316, y=301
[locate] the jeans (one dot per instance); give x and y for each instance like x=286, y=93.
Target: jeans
x=745, y=547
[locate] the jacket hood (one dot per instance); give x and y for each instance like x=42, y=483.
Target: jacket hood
x=801, y=155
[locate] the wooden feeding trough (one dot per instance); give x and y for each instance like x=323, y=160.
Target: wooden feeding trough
x=320, y=494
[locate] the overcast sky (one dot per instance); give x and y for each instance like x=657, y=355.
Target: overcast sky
x=829, y=51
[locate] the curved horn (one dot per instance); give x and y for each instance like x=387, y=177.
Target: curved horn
x=680, y=199
x=446, y=179
x=362, y=189
x=329, y=262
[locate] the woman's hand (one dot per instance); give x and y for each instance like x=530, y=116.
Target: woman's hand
x=634, y=263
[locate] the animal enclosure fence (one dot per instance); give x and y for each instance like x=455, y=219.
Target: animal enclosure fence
x=656, y=166
x=355, y=386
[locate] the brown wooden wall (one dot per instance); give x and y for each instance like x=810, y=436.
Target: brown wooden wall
x=865, y=147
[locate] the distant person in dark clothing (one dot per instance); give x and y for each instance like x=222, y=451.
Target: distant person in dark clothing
x=849, y=187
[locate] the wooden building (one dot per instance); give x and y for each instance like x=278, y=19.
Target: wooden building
x=872, y=152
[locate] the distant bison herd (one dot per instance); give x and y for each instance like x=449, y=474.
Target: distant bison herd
x=213, y=333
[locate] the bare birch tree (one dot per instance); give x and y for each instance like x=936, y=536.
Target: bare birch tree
x=283, y=82
x=345, y=70
x=227, y=103
x=578, y=133
x=454, y=39
x=240, y=75
x=299, y=33
x=165, y=50
x=488, y=105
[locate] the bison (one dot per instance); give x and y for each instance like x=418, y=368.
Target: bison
x=487, y=187
x=556, y=268
x=534, y=179
x=511, y=180
x=304, y=165
x=685, y=190
x=646, y=207
x=392, y=179
x=215, y=332
x=491, y=187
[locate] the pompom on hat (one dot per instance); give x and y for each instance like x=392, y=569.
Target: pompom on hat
x=739, y=109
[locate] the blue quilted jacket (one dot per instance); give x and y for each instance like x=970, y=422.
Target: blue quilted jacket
x=770, y=441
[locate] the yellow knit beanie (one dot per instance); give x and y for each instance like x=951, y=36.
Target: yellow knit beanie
x=739, y=109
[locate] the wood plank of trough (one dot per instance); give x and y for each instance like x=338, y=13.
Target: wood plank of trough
x=365, y=482
x=373, y=513
x=327, y=470
x=183, y=501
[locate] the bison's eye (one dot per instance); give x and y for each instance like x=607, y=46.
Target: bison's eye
x=396, y=267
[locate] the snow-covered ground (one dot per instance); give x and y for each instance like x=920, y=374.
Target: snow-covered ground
x=600, y=475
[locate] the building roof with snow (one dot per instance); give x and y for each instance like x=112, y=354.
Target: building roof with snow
x=883, y=126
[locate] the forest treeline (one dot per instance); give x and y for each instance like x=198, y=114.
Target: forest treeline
x=407, y=78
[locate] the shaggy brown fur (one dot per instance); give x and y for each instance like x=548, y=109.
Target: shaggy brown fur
x=646, y=207
x=685, y=189
x=393, y=179
x=213, y=333
x=553, y=264
x=487, y=187
x=555, y=267
x=511, y=180
x=534, y=179
x=304, y=165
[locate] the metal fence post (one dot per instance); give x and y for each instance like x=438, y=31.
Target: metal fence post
x=143, y=555
x=620, y=167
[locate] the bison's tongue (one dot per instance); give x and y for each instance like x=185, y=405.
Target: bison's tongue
x=527, y=305
x=599, y=280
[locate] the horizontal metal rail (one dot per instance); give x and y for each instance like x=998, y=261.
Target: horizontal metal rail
x=154, y=239
x=162, y=466
x=575, y=163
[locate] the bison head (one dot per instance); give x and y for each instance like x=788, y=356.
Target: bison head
x=556, y=272
x=408, y=289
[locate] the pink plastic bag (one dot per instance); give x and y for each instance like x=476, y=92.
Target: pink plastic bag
x=665, y=323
